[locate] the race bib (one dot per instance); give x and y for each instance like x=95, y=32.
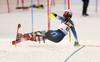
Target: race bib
x=64, y=28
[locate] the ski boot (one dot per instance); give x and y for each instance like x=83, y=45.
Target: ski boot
x=18, y=39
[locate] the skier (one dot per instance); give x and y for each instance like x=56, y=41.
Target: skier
x=55, y=35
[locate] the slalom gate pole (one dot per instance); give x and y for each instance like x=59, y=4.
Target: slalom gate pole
x=23, y=4
x=17, y=2
x=53, y=2
x=32, y=13
x=68, y=4
x=69, y=31
x=65, y=4
x=48, y=12
x=8, y=6
x=38, y=2
x=96, y=6
x=69, y=36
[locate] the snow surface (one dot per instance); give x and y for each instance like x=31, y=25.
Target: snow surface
x=87, y=28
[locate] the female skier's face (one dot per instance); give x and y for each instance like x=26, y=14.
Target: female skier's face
x=67, y=17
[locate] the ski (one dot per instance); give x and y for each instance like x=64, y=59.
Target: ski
x=28, y=36
x=18, y=36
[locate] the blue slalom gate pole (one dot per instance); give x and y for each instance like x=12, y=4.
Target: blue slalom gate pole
x=49, y=12
x=32, y=13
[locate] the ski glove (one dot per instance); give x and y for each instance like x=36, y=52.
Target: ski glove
x=54, y=14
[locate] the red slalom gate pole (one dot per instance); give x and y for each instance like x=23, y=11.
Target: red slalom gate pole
x=48, y=14
x=17, y=2
x=69, y=31
x=68, y=4
x=8, y=6
x=38, y=2
x=53, y=2
x=23, y=4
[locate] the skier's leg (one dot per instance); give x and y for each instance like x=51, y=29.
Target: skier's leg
x=37, y=33
x=38, y=38
x=55, y=35
x=40, y=33
x=35, y=36
x=28, y=36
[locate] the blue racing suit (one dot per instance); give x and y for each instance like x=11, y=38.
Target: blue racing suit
x=59, y=34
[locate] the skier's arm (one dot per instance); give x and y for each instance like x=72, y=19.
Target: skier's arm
x=59, y=17
x=74, y=33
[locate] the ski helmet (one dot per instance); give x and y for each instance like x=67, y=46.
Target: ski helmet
x=68, y=12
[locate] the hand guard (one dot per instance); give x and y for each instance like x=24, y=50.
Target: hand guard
x=52, y=15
